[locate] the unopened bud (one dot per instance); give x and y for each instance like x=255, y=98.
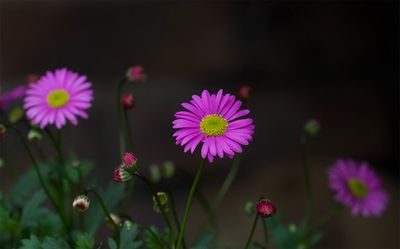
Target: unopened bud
x=16, y=114
x=265, y=208
x=34, y=135
x=115, y=218
x=81, y=203
x=155, y=173
x=135, y=73
x=312, y=127
x=168, y=169
x=76, y=163
x=128, y=224
x=2, y=131
x=129, y=160
x=249, y=208
x=244, y=92
x=121, y=175
x=163, y=197
x=32, y=78
x=128, y=102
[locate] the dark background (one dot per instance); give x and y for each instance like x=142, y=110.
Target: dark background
x=337, y=61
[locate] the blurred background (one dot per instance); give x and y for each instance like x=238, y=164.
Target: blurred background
x=335, y=61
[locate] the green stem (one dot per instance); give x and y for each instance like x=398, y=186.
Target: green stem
x=128, y=130
x=325, y=218
x=128, y=196
x=205, y=205
x=228, y=180
x=189, y=202
x=266, y=237
x=42, y=182
x=175, y=214
x=106, y=212
x=307, y=180
x=253, y=228
x=154, y=192
x=122, y=144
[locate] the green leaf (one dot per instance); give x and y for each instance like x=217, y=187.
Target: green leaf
x=84, y=241
x=54, y=243
x=31, y=243
x=31, y=212
x=154, y=238
x=128, y=236
x=8, y=225
x=23, y=188
x=112, y=244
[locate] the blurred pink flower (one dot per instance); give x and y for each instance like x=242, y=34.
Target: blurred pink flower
x=8, y=97
x=358, y=187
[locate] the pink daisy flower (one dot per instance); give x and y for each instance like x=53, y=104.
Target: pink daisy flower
x=215, y=121
x=58, y=96
x=358, y=187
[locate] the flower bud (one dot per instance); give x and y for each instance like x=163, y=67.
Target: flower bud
x=128, y=101
x=135, y=73
x=81, y=203
x=76, y=163
x=292, y=228
x=2, y=131
x=155, y=173
x=129, y=160
x=163, y=197
x=312, y=127
x=249, y=208
x=128, y=224
x=32, y=78
x=121, y=175
x=1, y=163
x=265, y=208
x=34, y=135
x=244, y=92
x=115, y=218
x=168, y=169
x=15, y=114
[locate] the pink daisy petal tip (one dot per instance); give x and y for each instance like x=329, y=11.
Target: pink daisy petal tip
x=358, y=187
x=214, y=122
x=57, y=97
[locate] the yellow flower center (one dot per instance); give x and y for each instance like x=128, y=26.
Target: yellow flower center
x=213, y=125
x=357, y=188
x=57, y=98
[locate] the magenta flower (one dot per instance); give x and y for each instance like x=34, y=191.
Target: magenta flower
x=135, y=73
x=358, y=187
x=215, y=121
x=8, y=97
x=58, y=96
x=129, y=159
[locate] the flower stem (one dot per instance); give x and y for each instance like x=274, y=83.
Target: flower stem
x=253, y=228
x=325, y=218
x=106, y=212
x=175, y=214
x=228, y=180
x=122, y=144
x=154, y=192
x=308, y=187
x=266, y=237
x=128, y=130
x=42, y=182
x=189, y=202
